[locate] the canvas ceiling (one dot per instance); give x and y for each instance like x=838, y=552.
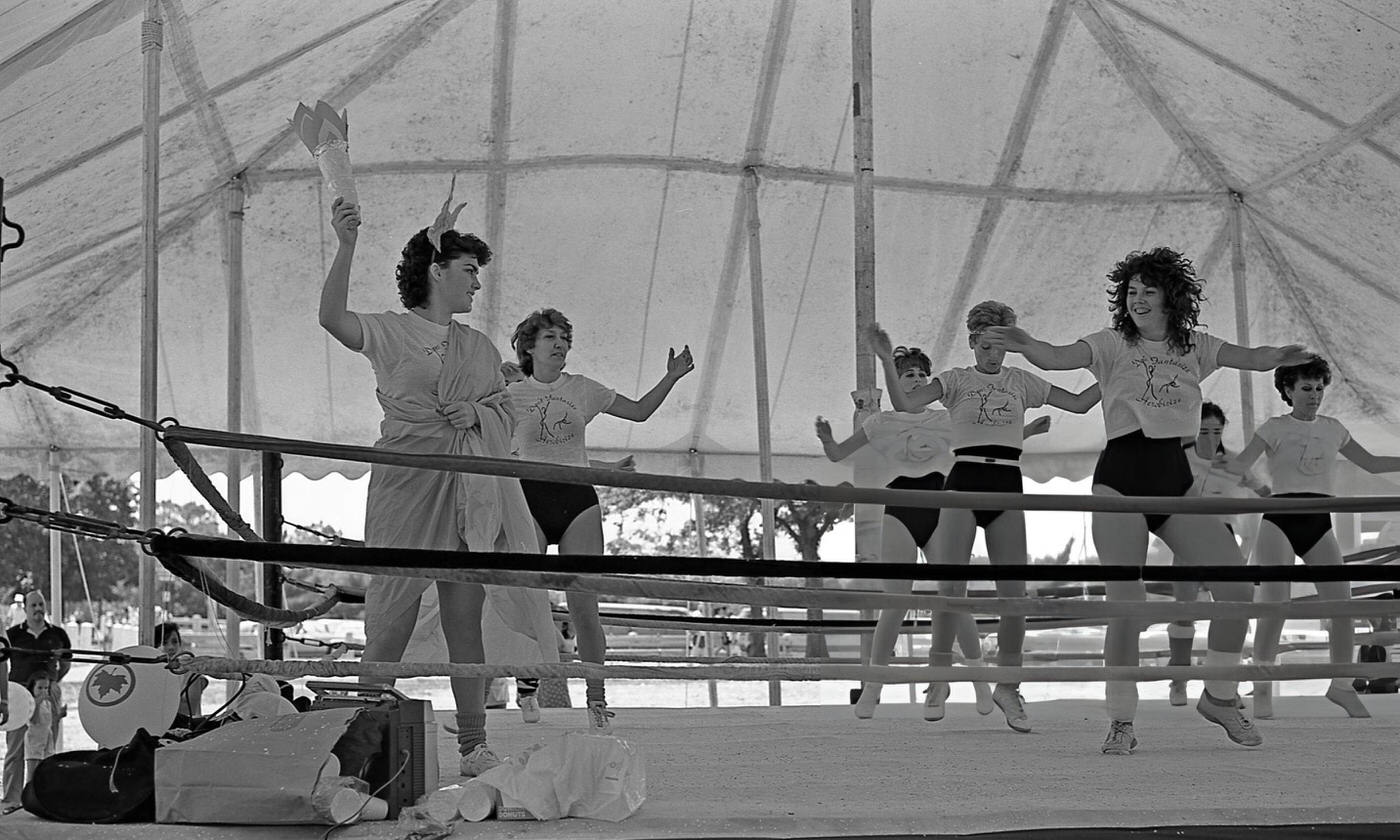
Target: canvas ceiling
x=1021, y=147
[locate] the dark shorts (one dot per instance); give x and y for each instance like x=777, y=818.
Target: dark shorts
x=555, y=506
x=986, y=478
x=1303, y=530
x=1137, y=465
x=919, y=522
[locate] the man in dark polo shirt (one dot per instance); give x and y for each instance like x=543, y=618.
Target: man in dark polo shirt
x=40, y=673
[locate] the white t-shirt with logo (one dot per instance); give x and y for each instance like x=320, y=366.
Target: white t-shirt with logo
x=550, y=417
x=989, y=409
x=406, y=352
x=1303, y=453
x=910, y=444
x=1150, y=386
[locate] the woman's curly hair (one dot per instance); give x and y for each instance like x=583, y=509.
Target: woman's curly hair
x=912, y=357
x=419, y=253
x=1287, y=376
x=1169, y=271
x=523, y=339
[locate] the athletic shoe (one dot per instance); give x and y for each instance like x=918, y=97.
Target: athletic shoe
x=869, y=698
x=1348, y=700
x=598, y=718
x=529, y=708
x=1177, y=693
x=1120, y=740
x=934, y=699
x=1227, y=715
x=1011, y=703
x=985, y=706
x=1264, y=700
x=478, y=761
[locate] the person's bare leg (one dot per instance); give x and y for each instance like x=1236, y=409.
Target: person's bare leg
x=1271, y=549
x=896, y=546
x=953, y=540
x=1006, y=544
x=1341, y=635
x=461, y=605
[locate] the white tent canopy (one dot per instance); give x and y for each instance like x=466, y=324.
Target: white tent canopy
x=1021, y=148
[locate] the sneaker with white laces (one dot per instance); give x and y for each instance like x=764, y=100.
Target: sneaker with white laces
x=935, y=696
x=529, y=708
x=478, y=761
x=1013, y=705
x=599, y=715
x=1177, y=693
x=1120, y=740
x=1228, y=716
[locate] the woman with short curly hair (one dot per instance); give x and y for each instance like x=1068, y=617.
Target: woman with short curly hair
x=439, y=384
x=1150, y=363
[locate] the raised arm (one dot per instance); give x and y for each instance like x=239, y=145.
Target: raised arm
x=677, y=366
x=843, y=450
x=1042, y=354
x=1261, y=358
x=1077, y=403
x=1368, y=461
x=879, y=341
x=336, y=318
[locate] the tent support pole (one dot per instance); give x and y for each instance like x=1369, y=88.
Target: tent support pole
x=1237, y=270
x=236, y=195
x=151, y=41
x=760, y=379
x=867, y=394
x=55, y=540
x=271, y=524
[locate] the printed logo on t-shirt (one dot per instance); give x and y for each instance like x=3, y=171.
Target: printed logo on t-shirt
x=1161, y=380
x=439, y=350
x=995, y=405
x=551, y=419
x=1313, y=454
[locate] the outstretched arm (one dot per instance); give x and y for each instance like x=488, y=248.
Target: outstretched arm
x=335, y=316
x=1240, y=464
x=677, y=366
x=1077, y=403
x=879, y=341
x=1042, y=354
x=843, y=450
x=1366, y=460
x=1262, y=358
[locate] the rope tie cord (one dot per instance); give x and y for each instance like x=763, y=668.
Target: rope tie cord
x=195, y=575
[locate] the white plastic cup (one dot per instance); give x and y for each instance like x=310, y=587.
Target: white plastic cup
x=478, y=801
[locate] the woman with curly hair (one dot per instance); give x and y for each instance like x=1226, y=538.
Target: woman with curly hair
x=1150, y=363
x=914, y=446
x=986, y=405
x=555, y=408
x=439, y=384
x=1302, y=447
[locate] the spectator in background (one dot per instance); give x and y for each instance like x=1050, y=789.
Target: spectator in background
x=26, y=746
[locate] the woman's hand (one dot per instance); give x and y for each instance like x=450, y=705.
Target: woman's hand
x=626, y=464
x=679, y=364
x=824, y=430
x=462, y=415
x=1011, y=339
x=345, y=220
x=879, y=341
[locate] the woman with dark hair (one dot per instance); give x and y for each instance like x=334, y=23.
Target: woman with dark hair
x=1150, y=363
x=554, y=408
x=987, y=405
x=439, y=384
x=914, y=445
x=1302, y=447
x=1207, y=457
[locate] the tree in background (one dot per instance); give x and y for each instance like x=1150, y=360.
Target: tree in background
x=733, y=529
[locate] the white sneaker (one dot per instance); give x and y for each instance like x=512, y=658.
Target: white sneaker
x=529, y=708
x=1227, y=716
x=934, y=699
x=1011, y=703
x=478, y=761
x=598, y=719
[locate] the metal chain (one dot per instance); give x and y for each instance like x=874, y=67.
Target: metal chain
x=84, y=401
x=72, y=523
